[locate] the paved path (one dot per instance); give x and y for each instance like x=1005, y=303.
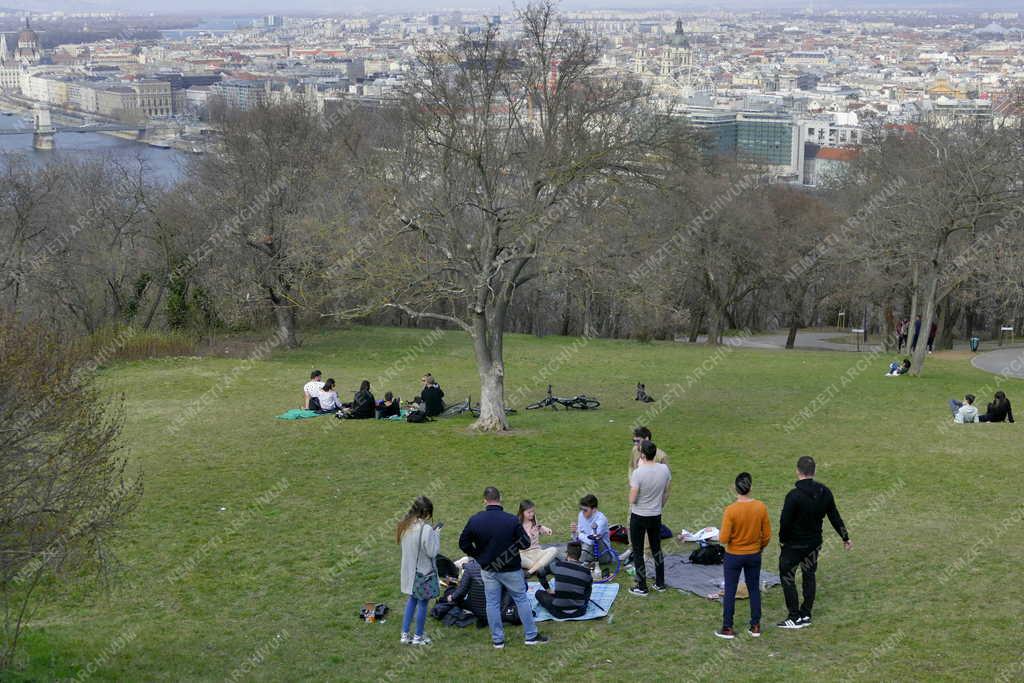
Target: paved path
x=804, y=340
x=1009, y=362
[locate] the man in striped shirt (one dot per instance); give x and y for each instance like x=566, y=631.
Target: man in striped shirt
x=573, y=583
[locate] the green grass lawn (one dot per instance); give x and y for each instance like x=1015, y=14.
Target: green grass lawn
x=257, y=540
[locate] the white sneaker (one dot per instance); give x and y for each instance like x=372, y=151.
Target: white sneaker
x=405, y=639
x=421, y=640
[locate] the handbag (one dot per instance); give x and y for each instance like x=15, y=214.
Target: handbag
x=424, y=586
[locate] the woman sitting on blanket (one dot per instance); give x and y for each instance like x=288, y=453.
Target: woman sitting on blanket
x=388, y=407
x=534, y=559
x=328, y=398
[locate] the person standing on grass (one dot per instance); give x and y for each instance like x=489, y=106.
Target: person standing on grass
x=805, y=508
x=420, y=544
x=494, y=538
x=641, y=434
x=745, y=532
x=931, y=336
x=311, y=390
x=648, y=492
x=917, y=333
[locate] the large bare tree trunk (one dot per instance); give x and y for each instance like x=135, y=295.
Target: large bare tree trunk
x=285, y=316
x=931, y=284
x=716, y=319
x=487, y=346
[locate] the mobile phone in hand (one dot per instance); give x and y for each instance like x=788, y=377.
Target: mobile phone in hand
x=437, y=527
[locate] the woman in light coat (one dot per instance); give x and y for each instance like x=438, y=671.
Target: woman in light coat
x=420, y=544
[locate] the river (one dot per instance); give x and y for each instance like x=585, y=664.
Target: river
x=165, y=166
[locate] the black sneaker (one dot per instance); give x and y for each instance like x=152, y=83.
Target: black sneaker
x=791, y=624
x=499, y=646
x=637, y=590
x=537, y=640
x=804, y=621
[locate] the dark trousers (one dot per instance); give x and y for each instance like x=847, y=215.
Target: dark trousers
x=638, y=526
x=806, y=560
x=750, y=565
x=545, y=600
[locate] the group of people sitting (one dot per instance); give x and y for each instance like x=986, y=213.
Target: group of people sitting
x=322, y=396
x=965, y=412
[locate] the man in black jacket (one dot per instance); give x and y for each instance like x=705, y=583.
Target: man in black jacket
x=433, y=397
x=494, y=538
x=800, y=537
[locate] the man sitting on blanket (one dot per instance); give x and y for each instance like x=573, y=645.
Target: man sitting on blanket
x=573, y=584
x=591, y=525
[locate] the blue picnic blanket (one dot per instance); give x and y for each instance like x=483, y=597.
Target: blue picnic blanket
x=299, y=414
x=603, y=594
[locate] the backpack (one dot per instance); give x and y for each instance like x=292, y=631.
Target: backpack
x=618, y=534
x=417, y=416
x=708, y=553
x=666, y=532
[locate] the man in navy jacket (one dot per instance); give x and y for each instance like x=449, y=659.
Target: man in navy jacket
x=494, y=538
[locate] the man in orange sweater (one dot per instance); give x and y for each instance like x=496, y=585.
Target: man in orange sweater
x=745, y=532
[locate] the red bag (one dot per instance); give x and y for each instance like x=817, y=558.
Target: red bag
x=618, y=534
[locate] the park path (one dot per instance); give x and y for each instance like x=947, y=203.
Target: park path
x=817, y=341
x=1008, y=362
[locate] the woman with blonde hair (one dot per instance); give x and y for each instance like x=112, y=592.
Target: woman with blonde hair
x=420, y=544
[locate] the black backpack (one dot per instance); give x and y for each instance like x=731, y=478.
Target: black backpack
x=708, y=553
x=417, y=416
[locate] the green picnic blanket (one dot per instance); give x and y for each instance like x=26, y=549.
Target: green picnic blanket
x=299, y=414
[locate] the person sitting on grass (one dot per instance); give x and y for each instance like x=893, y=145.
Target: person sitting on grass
x=389, y=407
x=745, y=532
x=897, y=369
x=328, y=397
x=998, y=410
x=363, y=405
x=966, y=412
x=573, y=585
x=535, y=559
x=432, y=396
x=311, y=391
x=469, y=593
x=641, y=434
x=591, y=525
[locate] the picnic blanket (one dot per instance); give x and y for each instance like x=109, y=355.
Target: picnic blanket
x=603, y=594
x=700, y=579
x=299, y=414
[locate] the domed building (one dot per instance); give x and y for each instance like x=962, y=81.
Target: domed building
x=27, y=48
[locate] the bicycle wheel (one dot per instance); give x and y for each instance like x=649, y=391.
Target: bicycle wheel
x=609, y=563
x=457, y=409
x=585, y=403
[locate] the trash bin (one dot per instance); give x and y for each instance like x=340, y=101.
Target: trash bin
x=975, y=343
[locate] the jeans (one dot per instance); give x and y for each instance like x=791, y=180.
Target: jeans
x=638, y=526
x=955, y=405
x=420, y=609
x=750, y=565
x=515, y=584
x=806, y=559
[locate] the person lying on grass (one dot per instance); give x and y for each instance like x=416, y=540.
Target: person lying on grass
x=897, y=369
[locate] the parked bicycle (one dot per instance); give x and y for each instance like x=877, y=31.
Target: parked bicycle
x=580, y=402
x=468, y=407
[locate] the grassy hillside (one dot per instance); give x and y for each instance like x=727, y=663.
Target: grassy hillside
x=258, y=540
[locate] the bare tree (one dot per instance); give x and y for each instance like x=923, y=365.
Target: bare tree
x=63, y=483
x=500, y=142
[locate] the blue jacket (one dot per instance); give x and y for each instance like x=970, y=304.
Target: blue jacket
x=494, y=538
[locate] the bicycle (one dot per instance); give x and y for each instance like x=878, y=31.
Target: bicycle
x=467, y=407
x=580, y=402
